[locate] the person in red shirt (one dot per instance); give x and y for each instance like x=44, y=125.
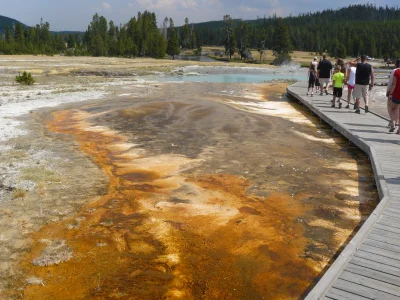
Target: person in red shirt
x=394, y=95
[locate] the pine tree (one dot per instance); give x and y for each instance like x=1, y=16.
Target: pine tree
x=242, y=38
x=229, y=36
x=19, y=38
x=281, y=42
x=173, y=45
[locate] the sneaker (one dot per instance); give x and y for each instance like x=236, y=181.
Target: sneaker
x=333, y=105
x=326, y=92
x=340, y=105
x=392, y=128
x=308, y=93
x=321, y=94
x=354, y=107
x=357, y=111
x=390, y=124
x=366, y=109
x=347, y=106
x=311, y=94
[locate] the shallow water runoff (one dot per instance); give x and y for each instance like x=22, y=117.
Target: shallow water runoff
x=215, y=191
x=231, y=78
x=234, y=75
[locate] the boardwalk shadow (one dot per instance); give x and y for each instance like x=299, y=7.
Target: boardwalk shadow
x=335, y=111
x=395, y=180
x=367, y=131
x=385, y=141
x=365, y=125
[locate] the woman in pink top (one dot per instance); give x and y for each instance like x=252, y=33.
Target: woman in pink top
x=393, y=114
x=394, y=95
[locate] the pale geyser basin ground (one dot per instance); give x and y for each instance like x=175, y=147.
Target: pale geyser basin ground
x=176, y=190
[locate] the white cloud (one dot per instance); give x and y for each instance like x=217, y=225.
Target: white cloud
x=106, y=5
x=130, y=5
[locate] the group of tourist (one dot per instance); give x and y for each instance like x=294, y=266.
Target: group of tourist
x=357, y=75
x=359, y=78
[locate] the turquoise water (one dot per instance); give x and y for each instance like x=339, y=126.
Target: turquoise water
x=235, y=77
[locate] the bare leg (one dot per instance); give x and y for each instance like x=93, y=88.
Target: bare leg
x=365, y=100
x=348, y=95
x=389, y=109
x=393, y=114
x=396, y=115
x=357, y=103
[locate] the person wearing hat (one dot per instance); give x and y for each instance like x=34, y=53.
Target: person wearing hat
x=315, y=62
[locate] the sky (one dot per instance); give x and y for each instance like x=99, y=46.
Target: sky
x=75, y=15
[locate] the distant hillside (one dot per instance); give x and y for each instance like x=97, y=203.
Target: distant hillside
x=6, y=21
x=359, y=12
x=352, y=30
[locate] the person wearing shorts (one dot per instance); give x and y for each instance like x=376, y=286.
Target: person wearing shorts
x=338, y=80
x=394, y=96
x=311, y=80
x=324, y=74
x=393, y=113
x=350, y=82
x=364, y=81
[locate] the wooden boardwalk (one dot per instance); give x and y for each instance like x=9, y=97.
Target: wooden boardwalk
x=369, y=266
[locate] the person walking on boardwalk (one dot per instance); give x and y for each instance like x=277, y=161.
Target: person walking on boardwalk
x=350, y=82
x=324, y=74
x=338, y=80
x=393, y=106
x=364, y=81
x=312, y=75
x=315, y=62
x=317, y=84
x=340, y=62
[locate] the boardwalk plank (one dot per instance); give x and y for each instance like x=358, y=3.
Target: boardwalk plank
x=375, y=275
x=387, y=228
x=385, y=222
x=382, y=245
x=373, y=265
x=378, y=258
x=380, y=251
x=388, y=291
x=389, y=239
x=362, y=290
x=390, y=214
x=337, y=294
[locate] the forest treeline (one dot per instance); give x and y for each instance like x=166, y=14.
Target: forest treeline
x=353, y=30
x=139, y=37
x=349, y=31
